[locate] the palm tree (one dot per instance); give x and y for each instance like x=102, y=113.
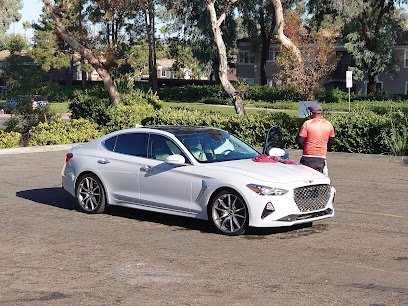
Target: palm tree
x=26, y=26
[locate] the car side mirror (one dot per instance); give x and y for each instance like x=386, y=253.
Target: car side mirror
x=277, y=152
x=175, y=159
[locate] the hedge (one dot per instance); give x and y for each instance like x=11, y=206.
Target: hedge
x=9, y=139
x=61, y=132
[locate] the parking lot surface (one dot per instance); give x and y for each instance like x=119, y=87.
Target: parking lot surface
x=51, y=254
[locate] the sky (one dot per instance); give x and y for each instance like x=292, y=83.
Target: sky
x=31, y=11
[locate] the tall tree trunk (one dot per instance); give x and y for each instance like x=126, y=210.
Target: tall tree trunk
x=266, y=43
x=372, y=85
x=84, y=76
x=264, y=59
x=280, y=36
x=86, y=53
x=235, y=96
x=150, y=28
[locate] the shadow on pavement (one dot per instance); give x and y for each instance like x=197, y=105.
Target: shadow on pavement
x=57, y=197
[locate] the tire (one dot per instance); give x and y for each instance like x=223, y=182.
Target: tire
x=90, y=194
x=228, y=213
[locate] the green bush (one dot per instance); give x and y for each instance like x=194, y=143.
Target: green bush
x=9, y=139
x=361, y=131
x=91, y=106
x=271, y=94
x=251, y=128
x=192, y=93
x=60, y=132
x=97, y=108
x=332, y=96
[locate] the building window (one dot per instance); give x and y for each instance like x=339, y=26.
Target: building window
x=163, y=73
x=380, y=85
x=406, y=87
x=272, y=56
x=406, y=59
x=249, y=81
x=246, y=57
x=270, y=82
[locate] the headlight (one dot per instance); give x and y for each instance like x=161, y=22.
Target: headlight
x=264, y=190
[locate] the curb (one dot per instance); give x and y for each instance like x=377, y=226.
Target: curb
x=292, y=152
x=37, y=149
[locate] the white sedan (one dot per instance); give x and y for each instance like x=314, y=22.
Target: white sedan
x=198, y=172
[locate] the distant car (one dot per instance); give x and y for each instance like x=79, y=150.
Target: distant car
x=198, y=172
x=35, y=101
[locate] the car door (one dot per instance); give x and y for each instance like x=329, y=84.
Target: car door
x=163, y=185
x=119, y=163
x=274, y=139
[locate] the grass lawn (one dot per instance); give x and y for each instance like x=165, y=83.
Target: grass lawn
x=222, y=109
x=60, y=107
x=63, y=108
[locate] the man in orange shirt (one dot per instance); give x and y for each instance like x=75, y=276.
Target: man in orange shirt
x=315, y=137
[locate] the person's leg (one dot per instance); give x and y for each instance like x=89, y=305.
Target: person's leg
x=316, y=163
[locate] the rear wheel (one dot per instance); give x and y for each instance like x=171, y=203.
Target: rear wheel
x=90, y=194
x=228, y=213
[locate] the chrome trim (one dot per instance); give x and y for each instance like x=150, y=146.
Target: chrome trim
x=311, y=215
x=203, y=189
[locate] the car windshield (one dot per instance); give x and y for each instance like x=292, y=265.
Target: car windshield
x=215, y=146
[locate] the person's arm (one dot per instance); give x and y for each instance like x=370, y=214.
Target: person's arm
x=301, y=142
x=330, y=143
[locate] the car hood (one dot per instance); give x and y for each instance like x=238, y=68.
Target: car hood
x=271, y=172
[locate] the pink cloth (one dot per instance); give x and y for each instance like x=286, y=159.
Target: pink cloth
x=273, y=159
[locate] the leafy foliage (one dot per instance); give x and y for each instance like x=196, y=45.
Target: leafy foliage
x=318, y=61
x=60, y=132
x=9, y=139
x=9, y=13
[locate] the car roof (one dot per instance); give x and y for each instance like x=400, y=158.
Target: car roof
x=182, y=130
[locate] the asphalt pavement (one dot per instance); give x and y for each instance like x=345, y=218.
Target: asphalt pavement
x=52, y=254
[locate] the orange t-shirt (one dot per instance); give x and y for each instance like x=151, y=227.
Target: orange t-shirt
x=317, y=132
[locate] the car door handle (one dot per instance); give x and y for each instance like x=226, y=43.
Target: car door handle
x=146, y=169
x=103, y=161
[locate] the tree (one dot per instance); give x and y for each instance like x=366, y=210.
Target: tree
x=258, y=19
x=9, y=13
x=26, y=26
x=370, y=31
x=318, y=59
x=98, y=62
x=371, y=41
x=235, y=95
x=49, y=50
x=13, y=43
x=184, y=60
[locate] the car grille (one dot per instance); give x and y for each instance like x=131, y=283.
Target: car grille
x=312, y=198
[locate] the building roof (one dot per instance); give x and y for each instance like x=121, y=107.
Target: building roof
x=403, y=38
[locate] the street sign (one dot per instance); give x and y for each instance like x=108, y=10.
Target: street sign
x=349, y=79
x=349, y=83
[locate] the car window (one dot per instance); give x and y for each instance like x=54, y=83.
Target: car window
x=160, y=147
x=132, y=144
x=216, y=146
x=39, y=98
x=110, y=143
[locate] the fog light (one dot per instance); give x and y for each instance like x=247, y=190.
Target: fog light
x=269, y=208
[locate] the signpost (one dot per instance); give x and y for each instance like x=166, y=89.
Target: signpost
x=349, y=83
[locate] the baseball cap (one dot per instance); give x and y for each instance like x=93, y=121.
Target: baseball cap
x=315, y=108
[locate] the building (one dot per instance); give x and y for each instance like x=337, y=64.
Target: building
x=248, y=67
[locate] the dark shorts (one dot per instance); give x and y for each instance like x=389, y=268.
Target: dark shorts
x=316, y=163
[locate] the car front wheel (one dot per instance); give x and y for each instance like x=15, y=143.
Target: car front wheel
x=228, y=213
x=90, y=194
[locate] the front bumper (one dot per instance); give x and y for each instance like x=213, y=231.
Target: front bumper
x=287, y=213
